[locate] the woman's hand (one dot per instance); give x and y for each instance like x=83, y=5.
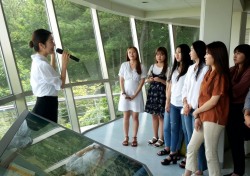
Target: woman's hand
x=197, y=121
x=197, y=124
x=157, y=79
x=247, y=120
x=186, y=109
x=167, y=107
x=130, y=98
x=150, y=79
x=65, y=59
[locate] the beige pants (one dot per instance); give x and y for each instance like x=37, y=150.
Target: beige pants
x=209, y=134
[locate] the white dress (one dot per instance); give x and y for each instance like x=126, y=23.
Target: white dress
x=131, y=82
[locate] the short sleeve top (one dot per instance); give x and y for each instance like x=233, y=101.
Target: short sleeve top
x=215, y=84
x=131, y=74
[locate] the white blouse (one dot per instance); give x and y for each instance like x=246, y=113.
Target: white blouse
x=44, y=80
x=130, y=74
x=176, y=88
x=191, y=88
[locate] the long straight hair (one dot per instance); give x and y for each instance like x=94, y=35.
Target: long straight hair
x=218, y=50
x=138, y=63
x=185, y=59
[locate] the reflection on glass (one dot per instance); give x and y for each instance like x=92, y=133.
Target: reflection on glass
x=43, y=148
x=186, y=35
x=91, y=104
x=77, y=36
x=8, y=116
x=151, y=36
x=116, y=37
x=4, y=84
x=21, y=21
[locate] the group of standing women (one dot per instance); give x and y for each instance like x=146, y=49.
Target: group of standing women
x=193, y=98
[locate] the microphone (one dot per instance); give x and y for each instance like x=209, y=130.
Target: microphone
x=60, y=51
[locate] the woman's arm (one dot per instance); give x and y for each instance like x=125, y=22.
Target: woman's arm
x=138, y=89
x=247, y=117
x=122, y=85
x=157, y=79
x=168, y=96
x=207, y=106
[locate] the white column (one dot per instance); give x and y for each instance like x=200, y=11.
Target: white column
x=216, y=21
x=215, y=25
x=238, y=32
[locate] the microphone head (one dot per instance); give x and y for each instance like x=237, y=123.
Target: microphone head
x=58, y=50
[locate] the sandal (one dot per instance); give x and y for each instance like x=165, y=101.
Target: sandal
x=134, y=143
x=125, y=142
x=163, y=152
x=182, y=164
x=169, y=159
x=159, y=143
x=152, y=141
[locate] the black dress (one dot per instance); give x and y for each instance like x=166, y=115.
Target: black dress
x=156, y=97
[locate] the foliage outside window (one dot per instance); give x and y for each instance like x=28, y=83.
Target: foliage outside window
x=185, y=35
x=91, y=104
x=8, y=116
x=116, y=38
x=151, y=35
x=77, y=35
x=21, y=22
x=4, y=86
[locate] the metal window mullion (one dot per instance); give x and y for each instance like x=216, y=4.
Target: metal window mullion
x=172, y=44
x=10, y=64
x=103, y=64
x=69, y=97
x=136, y=44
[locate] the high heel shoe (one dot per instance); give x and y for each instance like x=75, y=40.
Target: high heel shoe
x=169, y=159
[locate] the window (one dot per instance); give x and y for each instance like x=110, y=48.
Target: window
x=4, y=84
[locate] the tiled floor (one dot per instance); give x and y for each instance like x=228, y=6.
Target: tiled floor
x=111, y=135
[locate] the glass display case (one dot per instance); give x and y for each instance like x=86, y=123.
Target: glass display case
x=35, y=146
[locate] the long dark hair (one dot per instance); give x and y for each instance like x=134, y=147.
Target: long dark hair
x=163, y=51
x=218, y=50
x=39, y=36
x=200, y=49
x=245, y=49
x=185, y=59
x=138, y=63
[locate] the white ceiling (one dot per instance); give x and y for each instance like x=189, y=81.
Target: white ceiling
x=179, y=12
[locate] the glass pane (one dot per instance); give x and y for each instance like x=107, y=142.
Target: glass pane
x=4, y=84
x=185, y=35
x=78, y=38
x=151, y=36
x=115, y=86
x=116, y=37
x=91, y=104
x=21, y=22
x=8, y=116
x=42, y=148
